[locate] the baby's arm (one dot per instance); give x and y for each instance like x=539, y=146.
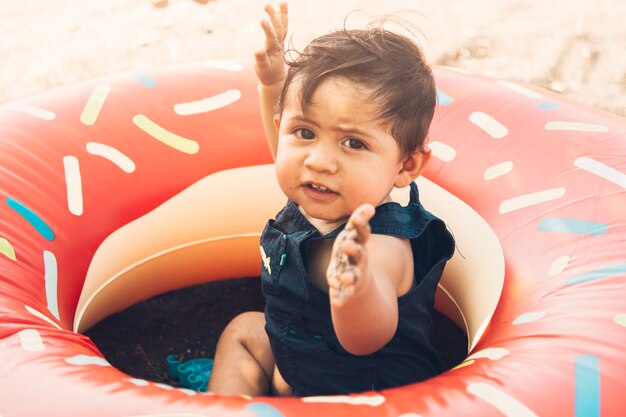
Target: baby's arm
x=270, y=69
x=364, y=275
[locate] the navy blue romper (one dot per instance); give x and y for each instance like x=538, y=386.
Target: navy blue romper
x=297, y=313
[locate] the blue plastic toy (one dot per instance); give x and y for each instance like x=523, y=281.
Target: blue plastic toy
x=193, y=374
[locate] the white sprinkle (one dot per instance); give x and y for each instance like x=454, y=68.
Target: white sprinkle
x=81, y=360
x=490, y=353
x=94, y=104
x=506, y=404
x=164, y=386
x=442, y=151
x=225, y=65
x=188, y=391
x=371, y=400
x=558, y=265
x=50, y=278
x=110, y=153
x=207, y=104
x=31, y=340
x=490, y=125
x=73, y=185
x=169, y=415
x=138, y=382
x=575, y=126
x=520, y=89
x=604, y=171
x=34, y=111
x=498, y=170
x=531, y=199
x=42, y=316
x=529, y=317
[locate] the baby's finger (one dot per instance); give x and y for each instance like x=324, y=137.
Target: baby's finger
x=360, y=221
x=262, y=64
x=353, y=250
x=347, y=279
x=339, y=297
x=336, y=298
x=362, y=214
x=260, y=53
x=260, y=56
x=284, y=18
x=272, y=44
x=276, y=21
x=333, y=280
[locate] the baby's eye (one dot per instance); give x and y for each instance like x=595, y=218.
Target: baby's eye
x=304, y=133
x=354, y=143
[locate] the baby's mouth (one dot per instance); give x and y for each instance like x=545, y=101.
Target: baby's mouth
x=320, y=188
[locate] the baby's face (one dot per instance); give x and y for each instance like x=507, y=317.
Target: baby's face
x=339, y=154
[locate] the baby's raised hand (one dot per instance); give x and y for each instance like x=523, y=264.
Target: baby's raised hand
x=348, y=265
x=269, y=60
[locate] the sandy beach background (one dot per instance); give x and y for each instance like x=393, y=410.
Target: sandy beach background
x=575, y=47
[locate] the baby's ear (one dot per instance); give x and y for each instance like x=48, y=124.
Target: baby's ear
x=276, y=121
x=413, y=166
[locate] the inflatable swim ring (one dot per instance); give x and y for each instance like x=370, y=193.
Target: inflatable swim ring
x=120, y=188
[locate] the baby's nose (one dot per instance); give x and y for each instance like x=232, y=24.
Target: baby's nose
x=322, y=157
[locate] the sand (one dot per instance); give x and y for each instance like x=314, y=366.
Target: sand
x=574, y=47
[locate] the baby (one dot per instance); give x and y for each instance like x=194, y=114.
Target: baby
x=349, y=275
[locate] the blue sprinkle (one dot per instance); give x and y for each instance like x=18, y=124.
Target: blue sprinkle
x=549, y=105
x=31, y=217
x=145, y=80
x=263, y=410
x=443, y=99
x=597, y=274
x=580, y=227
x=587, y=391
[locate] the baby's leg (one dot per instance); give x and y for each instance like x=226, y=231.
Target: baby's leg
x=244, y=363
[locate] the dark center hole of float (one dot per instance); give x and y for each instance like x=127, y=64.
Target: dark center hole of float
x=187, y=323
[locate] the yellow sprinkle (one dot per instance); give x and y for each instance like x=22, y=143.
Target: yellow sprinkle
x=464, y=364
x=7, y=249
x=94, y=104
x=170, y=139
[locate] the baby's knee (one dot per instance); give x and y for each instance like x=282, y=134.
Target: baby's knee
x=245, y=326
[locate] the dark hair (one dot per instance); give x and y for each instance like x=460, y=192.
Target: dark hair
x=390, y=64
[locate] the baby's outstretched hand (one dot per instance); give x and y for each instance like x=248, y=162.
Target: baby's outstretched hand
x=348, y=265
x=269, y=60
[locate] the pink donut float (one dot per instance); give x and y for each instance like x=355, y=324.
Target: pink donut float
x=123, y=187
